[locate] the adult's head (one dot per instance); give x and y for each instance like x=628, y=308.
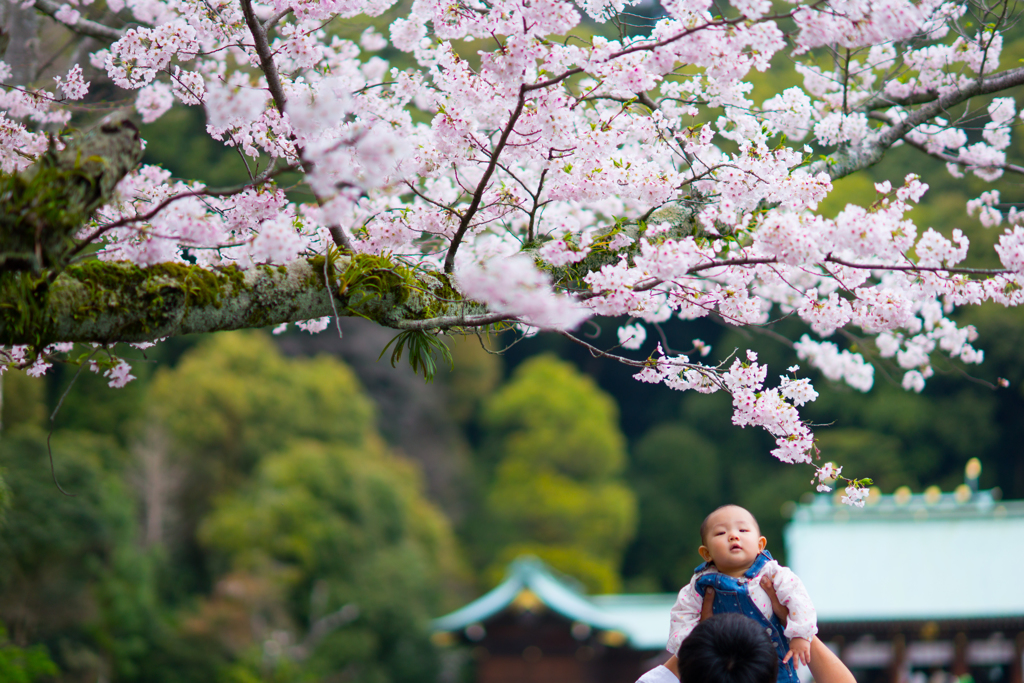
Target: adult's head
x=728, y=648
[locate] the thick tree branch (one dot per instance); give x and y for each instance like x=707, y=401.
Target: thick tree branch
x=881, y=101
x=83, y=27
x=106, y=302
x=851, y=160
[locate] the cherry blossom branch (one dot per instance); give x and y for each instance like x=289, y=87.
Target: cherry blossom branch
x=555, y=80
x=266, y=57
x=269, y=68
x=474, y=204
x=732, y=262
x=851, y=160
x=447, y=322
x=428, y=200
x=273, y=21
x=714, y=24
x=919, y=269
x=267, y=174
x=711, y=374
x=950, y=159
x=81, y=26
x=599, y=353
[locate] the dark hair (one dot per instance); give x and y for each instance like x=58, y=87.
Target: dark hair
x=728, y=648
x=704, y=524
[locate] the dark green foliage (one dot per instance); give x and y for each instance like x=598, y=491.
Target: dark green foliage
x=343, y=531
x=422, y=347
x=71, y=575
x=677, y=475
x=22, y=400
x=24, y=664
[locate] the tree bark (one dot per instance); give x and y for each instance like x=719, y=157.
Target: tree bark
x=106, y=302
x=19, y=27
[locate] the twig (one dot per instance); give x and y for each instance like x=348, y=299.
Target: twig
x=53, y=423
x=330, y=291
x=448, y=321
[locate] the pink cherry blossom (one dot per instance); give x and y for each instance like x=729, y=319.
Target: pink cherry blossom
x=556, y=179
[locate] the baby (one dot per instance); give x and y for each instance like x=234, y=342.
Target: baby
x=738, y=568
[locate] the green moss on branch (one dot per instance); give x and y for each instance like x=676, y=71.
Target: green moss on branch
x=107, y=302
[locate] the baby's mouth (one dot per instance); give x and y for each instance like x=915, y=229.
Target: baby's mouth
x=736, y=546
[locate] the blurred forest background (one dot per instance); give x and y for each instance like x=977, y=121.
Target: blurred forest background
x=289, y=508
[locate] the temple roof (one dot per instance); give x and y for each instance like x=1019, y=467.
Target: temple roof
x=638, y=621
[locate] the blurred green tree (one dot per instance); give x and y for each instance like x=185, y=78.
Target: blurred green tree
x=553, y=456
x=229, y=401
x=332, y=560
x=23, y=665
x=234, y=397
x=71, y=575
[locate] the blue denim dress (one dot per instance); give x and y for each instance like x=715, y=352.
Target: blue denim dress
x=732, y=595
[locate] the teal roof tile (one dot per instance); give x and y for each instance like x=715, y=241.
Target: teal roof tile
x=642, y=619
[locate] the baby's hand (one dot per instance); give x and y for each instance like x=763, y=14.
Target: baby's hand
x=799, y=650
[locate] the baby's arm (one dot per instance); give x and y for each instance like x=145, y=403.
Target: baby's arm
x=825, y=666
x=685, y=615
x=803, y=619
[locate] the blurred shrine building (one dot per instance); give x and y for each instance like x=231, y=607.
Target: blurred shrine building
x=538, y=627
x=912, y=588
x=917, y=588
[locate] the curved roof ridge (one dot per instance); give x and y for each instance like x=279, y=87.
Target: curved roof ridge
x=642, y=619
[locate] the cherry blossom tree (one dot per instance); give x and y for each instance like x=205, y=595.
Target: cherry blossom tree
x=535, y=167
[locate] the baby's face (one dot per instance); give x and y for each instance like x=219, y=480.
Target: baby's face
x=733, y=540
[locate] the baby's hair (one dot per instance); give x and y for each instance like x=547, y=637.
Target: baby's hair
x=704, y=524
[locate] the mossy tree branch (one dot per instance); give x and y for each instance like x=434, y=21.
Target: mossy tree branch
x=108, y=302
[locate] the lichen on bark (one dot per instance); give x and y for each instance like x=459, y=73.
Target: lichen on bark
x=104, y=302
x=43, y=207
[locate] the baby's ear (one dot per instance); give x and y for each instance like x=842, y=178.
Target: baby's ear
x=706, y=554
x=762, y=543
